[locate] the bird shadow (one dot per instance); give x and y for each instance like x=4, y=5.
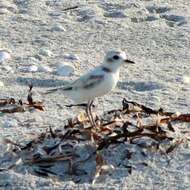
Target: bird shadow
x=140, y=86
x=25, y=81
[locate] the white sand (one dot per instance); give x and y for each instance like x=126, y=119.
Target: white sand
x=155, y=34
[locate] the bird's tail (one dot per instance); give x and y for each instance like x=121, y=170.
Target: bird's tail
x=52, y=90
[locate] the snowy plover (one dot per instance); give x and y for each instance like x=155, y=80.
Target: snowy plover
x=96, y=82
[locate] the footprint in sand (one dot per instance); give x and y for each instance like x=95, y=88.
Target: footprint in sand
x=113, y=10
x=174, y=20
x=170, y=19
x=156, y=12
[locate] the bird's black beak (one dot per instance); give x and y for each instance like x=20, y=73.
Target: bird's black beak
x=129, y=61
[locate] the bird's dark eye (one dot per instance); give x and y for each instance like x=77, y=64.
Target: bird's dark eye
x=115, y=57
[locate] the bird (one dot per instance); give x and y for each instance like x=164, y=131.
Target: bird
x=95, y=83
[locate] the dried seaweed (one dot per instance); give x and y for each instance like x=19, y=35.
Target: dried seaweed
x=10, y=105
x=126, y=125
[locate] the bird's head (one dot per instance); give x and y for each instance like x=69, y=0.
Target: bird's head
x=114, y=59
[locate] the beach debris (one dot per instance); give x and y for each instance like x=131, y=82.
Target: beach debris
x=69, y=151
x=10, y=105
x=4, y=55
x=70, y=8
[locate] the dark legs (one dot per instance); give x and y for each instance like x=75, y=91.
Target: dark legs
x=89, y=113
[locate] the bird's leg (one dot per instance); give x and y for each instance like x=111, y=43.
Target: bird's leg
x=89, y=113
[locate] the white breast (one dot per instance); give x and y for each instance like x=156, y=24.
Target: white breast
x=84, y=95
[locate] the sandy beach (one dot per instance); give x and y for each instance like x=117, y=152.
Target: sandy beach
x=45, y=35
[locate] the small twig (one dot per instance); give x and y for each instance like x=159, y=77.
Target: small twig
x=75, y=105
x=29, y=97
x=70, y=8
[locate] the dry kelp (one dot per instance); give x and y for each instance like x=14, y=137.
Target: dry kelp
x=10, y=105
x=77, y=151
